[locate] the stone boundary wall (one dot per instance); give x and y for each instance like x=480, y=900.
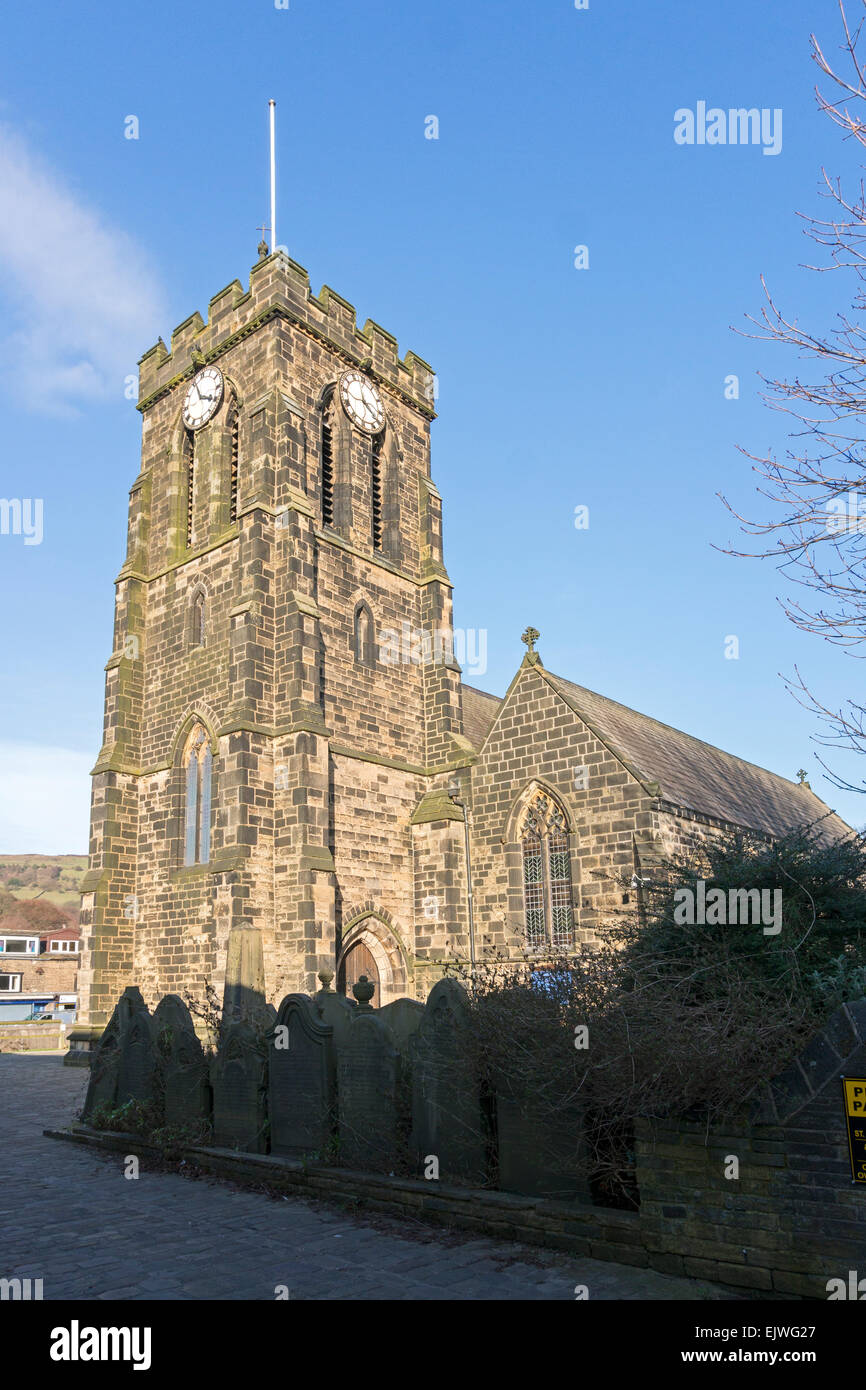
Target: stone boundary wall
x=794, y=1217
x=630, y=1238
x=32, y=1037
x=328, y=1097
x=597, y=1232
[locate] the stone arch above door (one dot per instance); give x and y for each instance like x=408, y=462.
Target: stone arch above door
x=370, y=935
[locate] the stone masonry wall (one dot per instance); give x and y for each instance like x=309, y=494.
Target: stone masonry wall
x=793, y=1218
x=538, y=742
x=319, y=759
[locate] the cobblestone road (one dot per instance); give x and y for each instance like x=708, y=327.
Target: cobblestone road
x=70, y=1218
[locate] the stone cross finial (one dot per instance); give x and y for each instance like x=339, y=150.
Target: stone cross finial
x=803, y=774
x=530, y=637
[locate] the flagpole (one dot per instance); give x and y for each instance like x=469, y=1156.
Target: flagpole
x=272, y=106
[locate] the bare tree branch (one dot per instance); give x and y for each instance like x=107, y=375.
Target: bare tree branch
x=816, y=529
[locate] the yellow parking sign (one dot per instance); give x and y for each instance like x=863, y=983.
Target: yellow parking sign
x=855, y=1115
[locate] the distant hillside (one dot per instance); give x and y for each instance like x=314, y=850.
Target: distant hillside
x=53, y=878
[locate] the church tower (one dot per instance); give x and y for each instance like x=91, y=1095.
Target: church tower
x=282, y=705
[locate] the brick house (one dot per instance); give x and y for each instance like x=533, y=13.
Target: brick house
x=38, y=971
x=287, y=739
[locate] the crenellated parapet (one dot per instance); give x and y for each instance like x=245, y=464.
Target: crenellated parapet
x=280, y=288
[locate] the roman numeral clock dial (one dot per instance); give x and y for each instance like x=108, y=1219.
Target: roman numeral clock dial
x=203, y=398
x=362, y=402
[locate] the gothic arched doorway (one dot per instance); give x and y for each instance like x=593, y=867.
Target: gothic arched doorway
x=359, y=961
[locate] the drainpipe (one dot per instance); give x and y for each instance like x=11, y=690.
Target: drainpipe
x=454, y=795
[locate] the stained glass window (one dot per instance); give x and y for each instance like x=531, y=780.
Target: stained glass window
x=546, y=875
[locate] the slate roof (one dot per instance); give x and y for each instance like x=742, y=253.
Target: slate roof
x=690, y=773
x=479, y=712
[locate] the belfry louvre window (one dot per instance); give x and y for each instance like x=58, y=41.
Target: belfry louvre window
x=546, y=876
x=327, y=475
x=189, y=460
x=198, y=774
x=376, y=491
x=234, y=443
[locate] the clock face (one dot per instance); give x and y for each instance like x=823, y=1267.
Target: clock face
x=202, y=400
x=362, y=402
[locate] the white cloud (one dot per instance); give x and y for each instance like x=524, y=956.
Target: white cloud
x=44, y=799
x=81, y=300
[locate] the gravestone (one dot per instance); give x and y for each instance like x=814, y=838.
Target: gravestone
x=138, y=1076
x=447, y=1119
x=367, y=1088
x=541, y=1153
x=105, y=1067
x=239, y=1081
x=403, y=1017
x=184, y=1067
x=301, y=1079
x=334, y=1009
x=244, y=987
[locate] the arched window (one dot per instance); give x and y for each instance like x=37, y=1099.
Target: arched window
x=198, y=773
x=327, y=469
x=365, y=637
x=197, y=626
x=376, y=490
x=546, y=875
x=189, y=462
x=234, y=442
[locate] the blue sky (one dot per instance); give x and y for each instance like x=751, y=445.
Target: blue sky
x=559, y=387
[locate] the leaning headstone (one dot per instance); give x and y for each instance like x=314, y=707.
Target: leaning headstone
x=184, y=1067
x=239, y=1081
x=301, y=1079
x=447, y=1120
x=105, y=1068
x=367, y=1087
x=403, y=1017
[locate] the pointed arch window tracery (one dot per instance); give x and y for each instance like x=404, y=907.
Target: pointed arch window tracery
x=198, y=777
x=547, y=897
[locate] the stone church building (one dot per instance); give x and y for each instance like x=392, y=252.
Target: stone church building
x=287, y=741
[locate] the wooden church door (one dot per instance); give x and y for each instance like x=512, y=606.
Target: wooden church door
x=359, y=961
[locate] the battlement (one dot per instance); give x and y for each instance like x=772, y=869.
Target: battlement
x=279, y=287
